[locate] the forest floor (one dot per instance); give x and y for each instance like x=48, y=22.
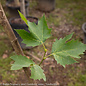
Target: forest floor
x=68, y=17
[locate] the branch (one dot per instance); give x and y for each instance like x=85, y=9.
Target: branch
x=44, y=58
x=4, y=22
x=27, y=53
x=45, y=51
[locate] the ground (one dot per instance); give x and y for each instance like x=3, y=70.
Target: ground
x=68, y=17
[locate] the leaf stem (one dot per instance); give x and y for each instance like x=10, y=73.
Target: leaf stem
x=47, y=56
x=44, y=47
x=44, y=59
x=41, y=61
x=43, y=56
x=45, y=50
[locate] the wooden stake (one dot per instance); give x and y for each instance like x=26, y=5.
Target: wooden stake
x=22, y=7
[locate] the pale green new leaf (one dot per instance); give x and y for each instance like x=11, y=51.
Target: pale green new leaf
x=38, y=33
x=63, y=50
x=23, y=17
x=37, y=73
x=20, y=61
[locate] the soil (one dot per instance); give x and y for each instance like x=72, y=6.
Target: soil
x=20, y=21
x=12, y=4
x=46, y=5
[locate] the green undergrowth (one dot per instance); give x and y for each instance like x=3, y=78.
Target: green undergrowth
x=78, y=80
x=3, y=48
x=2, y=2
x=32, y=4
x=6, y=75
x=2, y=34
x=1, y=28
x=53, y=19
x=74, y=10
x=3, y=42
x=77, y=77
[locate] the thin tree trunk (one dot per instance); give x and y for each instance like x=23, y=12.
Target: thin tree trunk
x=6, y=26
x=22, y=7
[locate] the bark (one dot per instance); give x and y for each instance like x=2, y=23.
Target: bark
x=6, y=26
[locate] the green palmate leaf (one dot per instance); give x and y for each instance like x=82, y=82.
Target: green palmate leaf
x=37, y=73
x=20, y=61
x=23, y=17
x=38, y=33
x=63, y=50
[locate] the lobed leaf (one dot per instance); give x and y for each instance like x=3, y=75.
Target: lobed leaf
x=37, y=73
x=28, y=38
x=38, y=33
x=63, y=50
x=20, y=61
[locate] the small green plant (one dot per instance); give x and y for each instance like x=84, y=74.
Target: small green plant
x=63, y=50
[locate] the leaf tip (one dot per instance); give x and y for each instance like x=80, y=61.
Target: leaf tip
x=72, y=33
x=18, y=11
x=43, y=17
x=44, y=14
x=63, y=66
x=44, y=79
x=12, y=67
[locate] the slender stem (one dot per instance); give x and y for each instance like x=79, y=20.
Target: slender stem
x=44, y=54
x=45, y=50
x=47, y=56
x=44, y=47
x=41, y=61
x=44, y=59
